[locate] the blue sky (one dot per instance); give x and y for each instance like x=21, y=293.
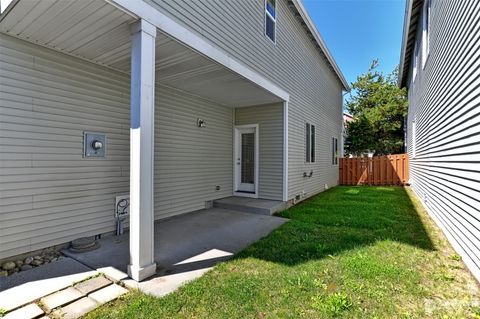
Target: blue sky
x=358, y=31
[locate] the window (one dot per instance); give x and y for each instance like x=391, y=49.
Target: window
x=310, y=143
x=270, y=19
x=334, y=151
x=426, y=32
x=415, y=63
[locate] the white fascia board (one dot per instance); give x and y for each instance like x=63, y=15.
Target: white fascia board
x=143, y=10
x=406, y=27
x=311, y=26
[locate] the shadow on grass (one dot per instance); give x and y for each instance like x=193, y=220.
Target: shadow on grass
x=341, y=219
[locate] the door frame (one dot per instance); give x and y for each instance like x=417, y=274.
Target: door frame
x=236, y=154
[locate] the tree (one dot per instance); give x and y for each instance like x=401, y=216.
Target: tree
x=378, y=106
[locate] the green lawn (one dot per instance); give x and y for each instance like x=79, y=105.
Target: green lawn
x=350, y=252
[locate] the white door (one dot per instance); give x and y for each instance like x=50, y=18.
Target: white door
x=246, y=160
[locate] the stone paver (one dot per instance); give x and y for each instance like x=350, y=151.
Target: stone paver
x=26, y=286
x=92, y=284
x=108, y=293
x=27, y=312
x=61, y=298
x=113, y=273
x=76, y=309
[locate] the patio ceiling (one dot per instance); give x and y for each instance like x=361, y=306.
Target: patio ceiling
x=97, y=31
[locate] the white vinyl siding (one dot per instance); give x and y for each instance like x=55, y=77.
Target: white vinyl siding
x=270, y=129
x=294, y=64
x=444, y=141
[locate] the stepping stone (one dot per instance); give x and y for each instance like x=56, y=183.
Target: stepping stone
x=108, y=293
x=92, y=284
x=60, y=298
x=27, y=312
x=76, y=309
x=113, y=273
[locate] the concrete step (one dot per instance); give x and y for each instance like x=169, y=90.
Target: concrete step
x=250, y=205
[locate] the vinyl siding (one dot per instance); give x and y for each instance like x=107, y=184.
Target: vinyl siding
x=190, y=161
x=49, y=193
x=445, y=104
x=270, y=126
x=293, y=63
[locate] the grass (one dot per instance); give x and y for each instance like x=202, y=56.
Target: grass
x=350, y=252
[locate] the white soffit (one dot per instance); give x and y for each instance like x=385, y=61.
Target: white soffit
x=99, y=31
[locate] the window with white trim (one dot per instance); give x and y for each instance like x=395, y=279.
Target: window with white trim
x=270, y=19
x=334, y=151
x=415, y=63
x=426, y=32
x=309, y=143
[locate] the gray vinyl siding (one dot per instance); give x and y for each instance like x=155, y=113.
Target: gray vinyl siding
x=444, y=102
x=49, y=193
x=293, y=63
x=270, y=126
x=190, y=161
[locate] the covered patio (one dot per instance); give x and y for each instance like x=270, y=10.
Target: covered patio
x=185, y=246
x=131, y=37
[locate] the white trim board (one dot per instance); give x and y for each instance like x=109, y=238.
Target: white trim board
x=285, y=151
x=172, y=28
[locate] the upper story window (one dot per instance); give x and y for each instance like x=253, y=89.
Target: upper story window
x=309, y=143
x=426, y=32
x=415, y=63
x=270, y=19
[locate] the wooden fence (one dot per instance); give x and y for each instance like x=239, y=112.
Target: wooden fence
x=378, y=170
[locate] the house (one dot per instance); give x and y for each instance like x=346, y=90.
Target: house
x=439, y=67
x=176, y=103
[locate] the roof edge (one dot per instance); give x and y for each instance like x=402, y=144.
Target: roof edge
x=402, y=76
x=318, y=38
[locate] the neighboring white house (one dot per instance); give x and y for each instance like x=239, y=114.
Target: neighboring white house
x=440, y=67
x=176, y=103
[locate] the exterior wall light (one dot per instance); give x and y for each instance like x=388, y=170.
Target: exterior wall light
x=201, y=123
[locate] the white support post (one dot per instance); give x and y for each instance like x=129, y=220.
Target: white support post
x=142, y=103
x=285, y=151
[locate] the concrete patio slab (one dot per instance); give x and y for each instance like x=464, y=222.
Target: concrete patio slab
x=186, y=246
x=26, y=286
x=251, y=205
x=27, y=312
x=160, y=286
